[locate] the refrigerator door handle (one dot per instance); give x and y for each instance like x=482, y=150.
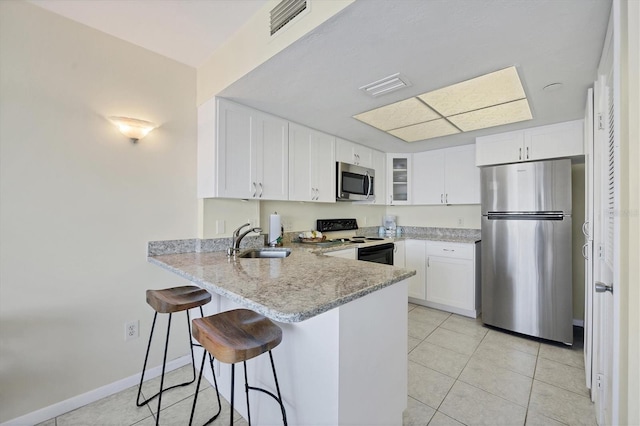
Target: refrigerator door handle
x=525, y=216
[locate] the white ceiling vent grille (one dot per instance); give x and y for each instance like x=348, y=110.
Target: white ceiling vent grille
x=386, y=85
x=284, y=12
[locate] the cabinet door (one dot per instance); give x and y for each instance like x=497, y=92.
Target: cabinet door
x=461, y=176
x=300, y=153
x=398, y=179
x=237, y=151
x=500, y=149
x=323, y=167
x=353, y=153
x=344, y=151
x=553, y=141
x=427, y=177
x=415, y=257
x=450, y=282
x=273, y=174
x=363, y=155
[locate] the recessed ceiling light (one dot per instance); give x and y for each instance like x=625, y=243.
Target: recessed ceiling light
x=496, y=115
x=490, y=89
x=428, y=130
x=490, y=100
x=399, y=114
x=552, y=87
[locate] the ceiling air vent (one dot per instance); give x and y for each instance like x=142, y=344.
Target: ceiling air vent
x=386, y=85
x=284, y=12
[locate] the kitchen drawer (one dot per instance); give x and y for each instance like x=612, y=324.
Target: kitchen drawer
x=455, y=250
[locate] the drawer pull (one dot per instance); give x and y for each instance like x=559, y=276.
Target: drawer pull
x=448, y=249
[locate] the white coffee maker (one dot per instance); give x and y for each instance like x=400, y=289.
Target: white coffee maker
x=389, y=224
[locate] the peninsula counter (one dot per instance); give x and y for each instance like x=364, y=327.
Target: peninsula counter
x=343, y=357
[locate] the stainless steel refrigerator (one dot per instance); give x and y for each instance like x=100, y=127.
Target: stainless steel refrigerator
x=526, y=248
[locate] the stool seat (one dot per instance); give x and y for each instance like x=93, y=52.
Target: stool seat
x=236, y=335
x=177, y=299
x=170, y=301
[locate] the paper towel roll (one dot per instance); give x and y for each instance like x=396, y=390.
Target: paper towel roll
x=274, y=228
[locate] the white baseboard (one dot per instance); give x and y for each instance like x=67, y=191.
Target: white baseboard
x=78, y=401
x=579, y=323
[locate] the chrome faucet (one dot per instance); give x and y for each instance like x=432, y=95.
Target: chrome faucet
x=237, y=237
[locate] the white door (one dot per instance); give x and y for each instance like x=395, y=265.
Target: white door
x=587, y=230
x=606, y=227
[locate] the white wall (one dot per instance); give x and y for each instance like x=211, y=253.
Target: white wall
x=79, y=202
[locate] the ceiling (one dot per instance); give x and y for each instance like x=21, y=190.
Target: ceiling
x=188, y=31
x=433, y=44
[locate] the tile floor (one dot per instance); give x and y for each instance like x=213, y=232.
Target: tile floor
x=463, y=373
x=460, y=373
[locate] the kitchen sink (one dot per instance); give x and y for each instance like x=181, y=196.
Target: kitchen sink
x=264, y=253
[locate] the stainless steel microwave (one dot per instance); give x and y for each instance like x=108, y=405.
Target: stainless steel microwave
x=354, y=183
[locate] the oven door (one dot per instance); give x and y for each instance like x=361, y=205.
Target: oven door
x=382, y=253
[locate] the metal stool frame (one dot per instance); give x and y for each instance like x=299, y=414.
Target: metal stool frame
x=246, y=387
x=164, y=364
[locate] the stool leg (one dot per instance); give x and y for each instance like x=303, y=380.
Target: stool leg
x=146, y=357
x=233, y=376
x=195, y=398
x=213, y=373
x=246, y=389
x=275, y=378
x=144, y=366
x=164, y=366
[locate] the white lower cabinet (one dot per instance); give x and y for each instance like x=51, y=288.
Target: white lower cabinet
x=345, y=254
x=415, y=252
x=450, y=276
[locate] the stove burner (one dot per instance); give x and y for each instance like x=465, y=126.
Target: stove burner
x=357, y=241
x=375, y=238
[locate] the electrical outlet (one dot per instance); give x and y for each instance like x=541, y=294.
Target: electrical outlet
x=460, y=221
x=219, y=227
x=131, y=330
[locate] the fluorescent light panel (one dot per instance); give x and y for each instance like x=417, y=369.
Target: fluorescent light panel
x=490, y=100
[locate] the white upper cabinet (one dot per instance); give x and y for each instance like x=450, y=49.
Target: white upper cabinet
x=445, y=176
x=242, y=153
x=312, y=170
x=353, y=153
x=538, y=143
x=399, y=179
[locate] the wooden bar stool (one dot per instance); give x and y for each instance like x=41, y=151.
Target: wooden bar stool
x=235, y=336
x=168, y=301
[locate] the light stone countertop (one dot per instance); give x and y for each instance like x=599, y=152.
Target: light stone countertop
x=290, y=289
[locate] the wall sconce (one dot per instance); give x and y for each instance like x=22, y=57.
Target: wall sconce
x=133, y=128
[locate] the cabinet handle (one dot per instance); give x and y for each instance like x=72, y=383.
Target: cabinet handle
x=260, y=196
x=446, y=198
x=428, y=265
x=585, y=228
x=519, y=154
x=441, y=199
x=527, y=153
x=448, y=250
x=255, y=189
x=585, y=251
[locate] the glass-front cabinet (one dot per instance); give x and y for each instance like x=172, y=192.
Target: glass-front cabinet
x=399, y=179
